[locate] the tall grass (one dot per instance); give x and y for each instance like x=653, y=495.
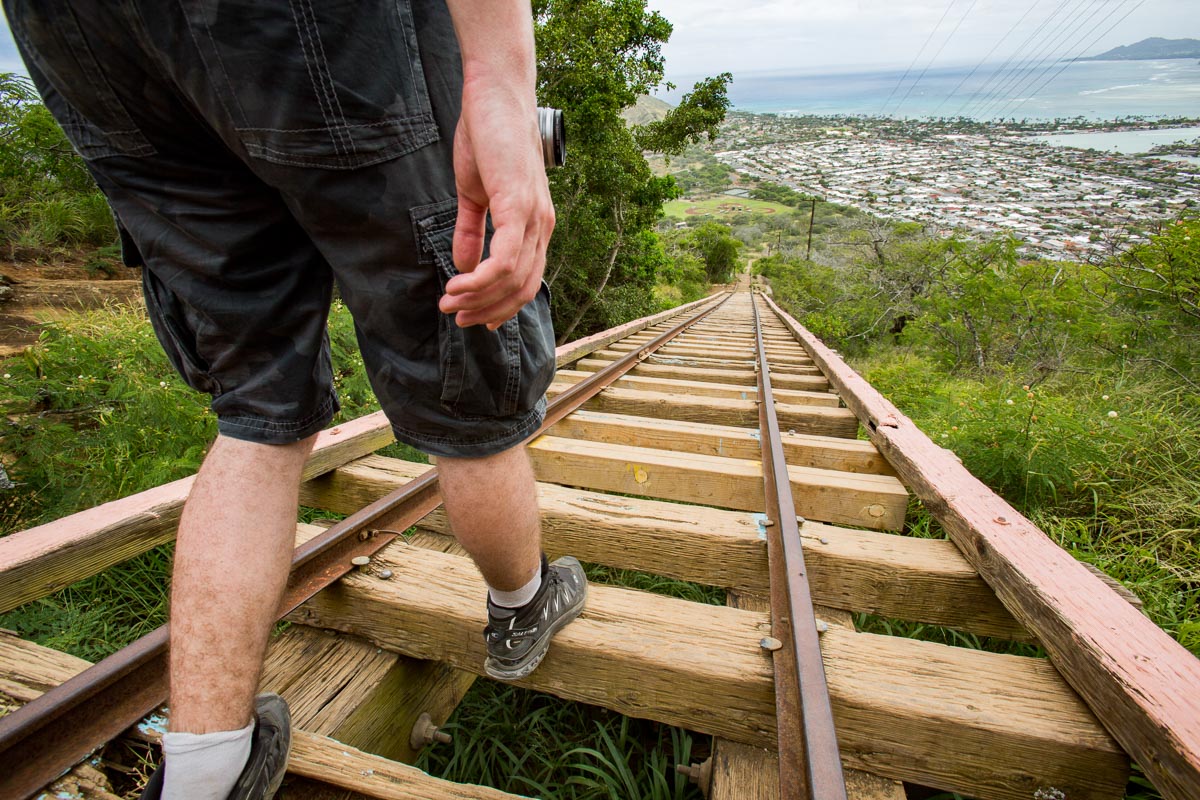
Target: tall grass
x=1107, y=462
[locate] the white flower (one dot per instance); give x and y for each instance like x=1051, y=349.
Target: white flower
x=1112, y=414
x=80, y=377
x=162, y=384
x=1124, y=347
x=1008, y=402
x=1103, y=397
x=7, y=376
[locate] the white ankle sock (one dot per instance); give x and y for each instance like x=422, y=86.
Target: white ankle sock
x=517, y=597
x=204, y=766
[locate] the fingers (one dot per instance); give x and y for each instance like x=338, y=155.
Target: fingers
x=499, y=286
x=469, y=229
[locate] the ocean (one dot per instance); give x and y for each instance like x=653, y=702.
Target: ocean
x=1095, y=90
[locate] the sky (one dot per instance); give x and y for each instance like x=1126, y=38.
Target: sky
x=739, y=36
x=837, y=36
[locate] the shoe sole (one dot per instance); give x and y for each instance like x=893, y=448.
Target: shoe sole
x=494, y=669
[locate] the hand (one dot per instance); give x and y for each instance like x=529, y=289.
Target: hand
x=498, y=167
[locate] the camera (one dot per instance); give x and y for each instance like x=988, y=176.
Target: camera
x=554, y=136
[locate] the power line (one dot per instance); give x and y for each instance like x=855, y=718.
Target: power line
x=1037, y=48
x=920, y=52
x=983, y=61
x=961, y=20
x=1087, y=47
x=1053, y=53
x=995, y=75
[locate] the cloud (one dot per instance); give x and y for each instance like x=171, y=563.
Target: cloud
x=759, y=35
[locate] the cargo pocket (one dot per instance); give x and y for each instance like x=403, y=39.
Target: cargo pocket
x=485, y=373
x=175, y=333
x=317, y=85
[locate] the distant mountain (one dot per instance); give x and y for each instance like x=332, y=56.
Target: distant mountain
x=646, y=109
x=1151, y=49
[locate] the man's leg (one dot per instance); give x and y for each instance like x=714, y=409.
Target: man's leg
x=232, y=560
x=492, y=505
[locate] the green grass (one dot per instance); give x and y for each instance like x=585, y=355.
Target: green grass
x=713, y=206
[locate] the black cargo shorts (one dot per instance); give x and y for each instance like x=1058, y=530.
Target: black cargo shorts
x=256, y=151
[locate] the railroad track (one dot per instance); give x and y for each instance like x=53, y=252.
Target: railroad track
x=670, y=450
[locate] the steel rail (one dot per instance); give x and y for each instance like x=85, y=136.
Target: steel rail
x=810, y=765
x=47, y=736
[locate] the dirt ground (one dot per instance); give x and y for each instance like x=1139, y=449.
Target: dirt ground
x=33, y=293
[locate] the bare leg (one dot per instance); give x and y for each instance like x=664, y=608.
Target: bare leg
x=232, y=559
x=492, y=505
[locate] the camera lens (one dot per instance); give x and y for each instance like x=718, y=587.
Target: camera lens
x=554, y=136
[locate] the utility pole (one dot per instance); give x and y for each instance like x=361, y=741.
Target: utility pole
x=811, y=219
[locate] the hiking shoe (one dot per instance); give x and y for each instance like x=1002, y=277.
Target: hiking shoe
x=517, y=639
x=264, y=770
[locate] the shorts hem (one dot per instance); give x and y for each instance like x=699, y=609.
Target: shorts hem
x=462, y=447
x=269, y=431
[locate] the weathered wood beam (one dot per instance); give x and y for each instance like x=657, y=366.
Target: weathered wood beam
x=899, y=577
x=744, y=772
x=703, y=388
x=870, y=501
x=702, y=545
x=39, y=561
x=1142, y=684
x=673, y=350
x=819, y=420
x=346, y=688
x=986, y=725
x=814, y=383
x=801, y=450
x=338, y=764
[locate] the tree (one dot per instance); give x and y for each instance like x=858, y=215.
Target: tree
x=595, y=58
x=715, y=245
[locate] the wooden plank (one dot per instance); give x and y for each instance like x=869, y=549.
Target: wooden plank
x=986, y=725
x=870, y=501
x=673, y=350
x=922, y=580
x=703, y=388
x=346, y=688
x=28, y=670
x=573, y=351
x=40, y=561
x=901, y=577
x=745, y=772
x=332, y=762
x=801, y=450
x=815, y=383
x=822, y=421
x=1142, y=684
x=702, y=545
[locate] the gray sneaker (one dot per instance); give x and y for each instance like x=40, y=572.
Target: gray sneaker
x=264, y=770
x=517, y=639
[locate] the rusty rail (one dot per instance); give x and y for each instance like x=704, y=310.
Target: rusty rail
x=810, y=765
x=50, y=734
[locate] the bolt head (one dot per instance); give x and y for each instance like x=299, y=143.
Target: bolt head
x=360, y=561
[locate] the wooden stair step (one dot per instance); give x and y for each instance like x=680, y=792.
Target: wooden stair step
x=745, y=772
x=731, y=441
x=346, y=688
x=983, y=724
x=815, y=383
x=820, y=420
x=864, y=500
x=899, y=577
x=704, y=388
